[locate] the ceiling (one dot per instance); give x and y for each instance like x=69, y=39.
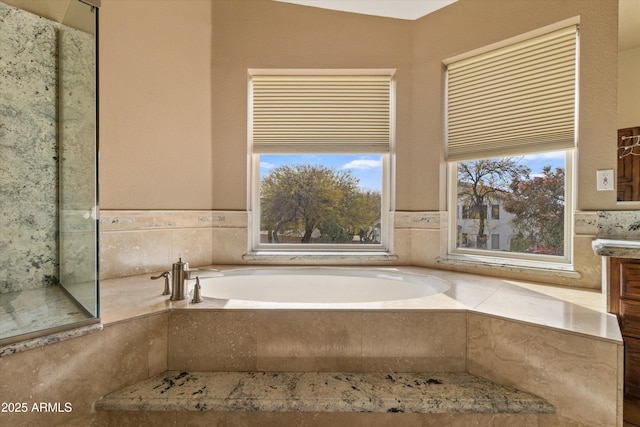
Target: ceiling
x=401, y=9
x=629, y=13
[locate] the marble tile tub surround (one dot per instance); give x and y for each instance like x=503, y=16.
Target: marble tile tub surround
x=564, y=334
x=315, y=419
x=579, y=376
x=553, y=333
x=575, y=310
x=318, y=340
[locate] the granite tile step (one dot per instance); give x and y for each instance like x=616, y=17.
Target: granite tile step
x=322, y=392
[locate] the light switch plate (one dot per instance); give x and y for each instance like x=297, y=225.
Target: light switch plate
x=605, y=180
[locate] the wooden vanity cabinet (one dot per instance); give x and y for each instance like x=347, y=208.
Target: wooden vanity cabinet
x=624, y=300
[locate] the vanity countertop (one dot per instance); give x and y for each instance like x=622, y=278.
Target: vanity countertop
x=619, y=248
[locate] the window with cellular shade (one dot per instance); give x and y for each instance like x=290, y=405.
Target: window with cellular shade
x=320, y=113
x=514, y=100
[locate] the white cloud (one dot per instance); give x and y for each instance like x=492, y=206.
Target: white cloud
x=548, y=155
x=267, y=165
x=363, y=164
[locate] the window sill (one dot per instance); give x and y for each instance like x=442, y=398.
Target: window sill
x=495, y=263
x=319, y=256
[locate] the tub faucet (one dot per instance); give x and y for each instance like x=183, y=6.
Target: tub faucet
x=197, y=297
x=166, y=275
x=178, y=280
x=179, y=275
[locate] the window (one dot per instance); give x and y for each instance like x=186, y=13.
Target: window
x=321, y=144
x=466, y=212
x=511, y=120
x=528, y=197
x=495, y=211
x=495, y=241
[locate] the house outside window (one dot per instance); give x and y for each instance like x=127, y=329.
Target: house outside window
x=320, y=144
x=496, y=225
x=511, y=120
x=466, y=212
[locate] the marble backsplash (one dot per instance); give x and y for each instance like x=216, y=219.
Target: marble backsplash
x=623, y=225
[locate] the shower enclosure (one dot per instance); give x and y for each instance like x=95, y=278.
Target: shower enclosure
x=48, y=173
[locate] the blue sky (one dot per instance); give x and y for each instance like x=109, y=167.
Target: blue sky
x=555, y=159
x=366, y=168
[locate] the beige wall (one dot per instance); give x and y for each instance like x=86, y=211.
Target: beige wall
x=629, y=88
x=155, y=104
x=173, y=89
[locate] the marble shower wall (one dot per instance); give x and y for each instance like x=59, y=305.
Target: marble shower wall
x=47, y=141
x=28, y=151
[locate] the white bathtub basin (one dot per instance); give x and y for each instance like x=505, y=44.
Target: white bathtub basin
x=319, y=285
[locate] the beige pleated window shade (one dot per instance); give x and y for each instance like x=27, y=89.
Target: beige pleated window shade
x=514, y=100
x=320, y=113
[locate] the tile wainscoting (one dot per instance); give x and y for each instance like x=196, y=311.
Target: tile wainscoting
x=136, y=242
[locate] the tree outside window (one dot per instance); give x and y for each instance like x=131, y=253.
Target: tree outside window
x=307, y=203
x=531, y=195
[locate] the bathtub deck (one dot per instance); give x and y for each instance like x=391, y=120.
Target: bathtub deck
x=435, y=393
